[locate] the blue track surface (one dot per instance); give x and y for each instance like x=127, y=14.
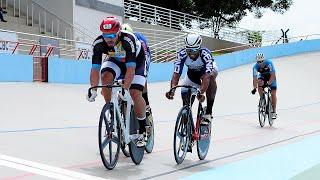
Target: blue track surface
x=278, y=164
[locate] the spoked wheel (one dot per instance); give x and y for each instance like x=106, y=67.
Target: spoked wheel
x=203, y=143
x=181, y=136
x=150, y=134
x=270, y=109
x=136, y=153
x=109, y=137
x=262, y=111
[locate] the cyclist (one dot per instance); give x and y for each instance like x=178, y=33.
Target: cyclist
x=147, y=52
x=202, y=72
x=125, y=58
x=264, y=74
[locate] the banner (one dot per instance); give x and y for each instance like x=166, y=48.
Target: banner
x=83, y=51
x=5, y=46
x=45, y=43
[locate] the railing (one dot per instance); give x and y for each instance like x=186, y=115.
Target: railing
x=30, y=45
x=155, y=15
x=161, y=52
x=47, y=22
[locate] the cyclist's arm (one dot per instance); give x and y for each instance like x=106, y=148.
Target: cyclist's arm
x=255, y=79
x=96, y=64
x=209, y=61
x=272, y=73
x=130, y=46
x=175, y=79
x=205, y=83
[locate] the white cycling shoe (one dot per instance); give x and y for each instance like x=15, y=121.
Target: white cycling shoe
x=274, y=115
x=206, y=119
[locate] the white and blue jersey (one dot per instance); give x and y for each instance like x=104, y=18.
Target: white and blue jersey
x=264, y=72
x=196, y=68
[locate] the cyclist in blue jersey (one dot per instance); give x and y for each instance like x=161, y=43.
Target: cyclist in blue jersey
x=144, y=45
x=264, y=74
x=202, y=73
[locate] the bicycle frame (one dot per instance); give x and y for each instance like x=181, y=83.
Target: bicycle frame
x=118, y=92
x=195, y=128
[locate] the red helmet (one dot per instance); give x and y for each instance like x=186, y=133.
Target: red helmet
x=110, y=25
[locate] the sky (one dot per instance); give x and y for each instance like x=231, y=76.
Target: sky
x=303, y=18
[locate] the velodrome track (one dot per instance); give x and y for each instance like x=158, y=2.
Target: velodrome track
x=49, y=131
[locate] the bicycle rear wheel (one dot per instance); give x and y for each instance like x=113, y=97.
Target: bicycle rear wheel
x=181, y=135
x=109, y=137
x=262, y=111
x=136, y=153
x=203, y=143
x=150, y=134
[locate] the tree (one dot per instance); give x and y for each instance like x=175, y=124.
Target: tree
x=229, y=13
x=221, y=13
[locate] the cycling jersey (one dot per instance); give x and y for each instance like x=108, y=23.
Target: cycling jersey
x=127, y=50
x=196, y=68
x=126, y=53
x=265, y=72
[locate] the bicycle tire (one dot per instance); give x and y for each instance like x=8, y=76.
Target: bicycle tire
x=136, y=153
x=124, y=146
x=262, y=111
x=203, y=143
x=184, y=133
x=270, y=110
x=107, y=136
x=150, y=137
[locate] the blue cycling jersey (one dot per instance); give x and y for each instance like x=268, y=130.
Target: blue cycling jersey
x=264, y=71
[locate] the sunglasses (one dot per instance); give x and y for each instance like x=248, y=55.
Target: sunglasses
x=259, y=62
x=192, y=51
x=109, y=36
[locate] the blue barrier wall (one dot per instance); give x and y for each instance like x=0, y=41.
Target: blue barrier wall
x=69, y=71
x=248, y=56
x=16, y=68
x=19, y=67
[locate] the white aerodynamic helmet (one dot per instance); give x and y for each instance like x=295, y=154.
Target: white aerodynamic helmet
x=259, y=57
x=193, y=41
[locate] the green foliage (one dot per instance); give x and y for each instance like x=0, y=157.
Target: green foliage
x=254, y=38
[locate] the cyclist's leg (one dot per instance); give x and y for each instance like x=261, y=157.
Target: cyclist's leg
x=136, y=89
x=274, y=100
x=145, y=94
x=211, y=92
x=261, y=84
x=109, y=71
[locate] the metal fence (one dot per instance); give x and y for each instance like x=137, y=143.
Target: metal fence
x=155, y=15
x=48, y=23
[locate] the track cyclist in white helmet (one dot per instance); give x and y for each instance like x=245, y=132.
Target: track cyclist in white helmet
x=202, y=72
x=264, y=74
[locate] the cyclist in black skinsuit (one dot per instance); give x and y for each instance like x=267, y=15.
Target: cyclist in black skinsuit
x=125, y=58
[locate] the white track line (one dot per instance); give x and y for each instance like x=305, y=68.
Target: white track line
x=42, y=169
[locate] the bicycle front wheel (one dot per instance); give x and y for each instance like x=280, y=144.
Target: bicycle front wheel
x=262, y=111
x=270, y=110
x=109, y=137
x=181, y=135
x=203, y=143
x=150, y=134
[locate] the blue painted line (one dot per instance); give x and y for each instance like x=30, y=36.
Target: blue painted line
x=277, y=164
x=46, y=129
x=83, y=127
x=255, y=112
